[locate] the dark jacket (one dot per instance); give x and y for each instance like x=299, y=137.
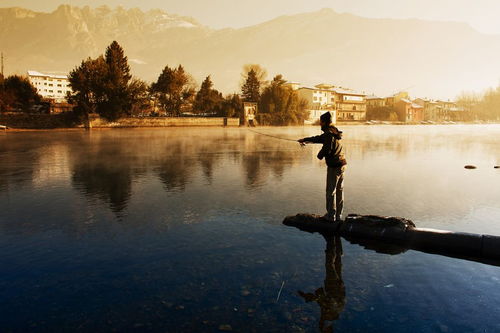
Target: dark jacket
x=332, y=149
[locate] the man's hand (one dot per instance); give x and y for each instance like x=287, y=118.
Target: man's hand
x=302, y=142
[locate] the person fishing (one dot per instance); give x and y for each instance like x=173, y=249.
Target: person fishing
x=333, y=154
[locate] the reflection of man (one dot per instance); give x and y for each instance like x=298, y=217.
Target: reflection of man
x=334, y=156
x=331, y=297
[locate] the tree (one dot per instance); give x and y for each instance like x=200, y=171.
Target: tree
x=381, y=113
x=207, y=99
x=260, y=73
x=138, y=89
x=118, y=99
x=280, y=105
x=174, y=89
x=87, y=83
x=17, y=93
x=232, y=106
x=103, y=85
x=251, y=88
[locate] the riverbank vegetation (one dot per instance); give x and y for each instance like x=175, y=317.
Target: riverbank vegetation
x=484, y=106
x=105, y=86
x=17, y=94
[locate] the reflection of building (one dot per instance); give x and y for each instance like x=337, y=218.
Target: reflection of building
x=49, y=86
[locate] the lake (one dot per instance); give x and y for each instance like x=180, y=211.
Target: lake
x=180, y=230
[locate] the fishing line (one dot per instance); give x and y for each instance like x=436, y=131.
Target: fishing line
x=272, y=136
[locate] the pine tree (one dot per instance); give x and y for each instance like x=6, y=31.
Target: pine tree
x=251, y=88
x=208, y=100
x=119, y=99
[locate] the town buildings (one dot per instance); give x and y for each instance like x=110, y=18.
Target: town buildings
x=51, y=87
x=344, y=104
x=404, y=109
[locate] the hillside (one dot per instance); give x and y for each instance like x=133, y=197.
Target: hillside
x=432, y=59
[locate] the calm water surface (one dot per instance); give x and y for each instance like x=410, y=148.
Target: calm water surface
x=179, y=230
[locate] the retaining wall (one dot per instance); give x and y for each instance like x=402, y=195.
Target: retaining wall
x=67, y=120
x=97, y=122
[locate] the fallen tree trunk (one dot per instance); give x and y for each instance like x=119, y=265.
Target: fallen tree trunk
x=395, y=235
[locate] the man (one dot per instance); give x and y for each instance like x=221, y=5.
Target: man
x=333, y=153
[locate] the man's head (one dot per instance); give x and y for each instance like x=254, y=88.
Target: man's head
x=325, y=119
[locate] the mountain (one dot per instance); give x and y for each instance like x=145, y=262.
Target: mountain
x=431, y=59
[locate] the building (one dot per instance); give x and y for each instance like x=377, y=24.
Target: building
x=373, y=102
x=249, y=113
x=432, y=110
x=408, y=111
x=320, y=99
x=392, y=100
x=344, y=104
x=350, y=105
x=50, y=86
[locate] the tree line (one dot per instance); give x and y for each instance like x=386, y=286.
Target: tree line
x=105, y=86
x=17, y=94
x=482, y=106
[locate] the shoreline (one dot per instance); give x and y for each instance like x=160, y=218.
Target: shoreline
x=83, y=129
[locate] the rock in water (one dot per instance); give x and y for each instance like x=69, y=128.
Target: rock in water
x=470, y=167
x=375, y=221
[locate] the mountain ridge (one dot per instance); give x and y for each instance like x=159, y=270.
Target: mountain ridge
x=438, y=59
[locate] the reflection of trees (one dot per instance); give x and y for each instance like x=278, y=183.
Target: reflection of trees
x=273, y=158
x=331, y=296
x=104, y=171
x=19, y=161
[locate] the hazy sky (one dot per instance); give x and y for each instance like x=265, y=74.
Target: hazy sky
x=481, y=14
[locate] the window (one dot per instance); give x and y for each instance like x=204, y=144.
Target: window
x=51, y=90
x=59, y=85
x=354, y=107
x=50, y=84
x=59, y=91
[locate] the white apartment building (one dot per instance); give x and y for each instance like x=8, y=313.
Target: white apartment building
x=54, y=87
x=344, y=104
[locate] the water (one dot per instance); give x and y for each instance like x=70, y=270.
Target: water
x=179, y=230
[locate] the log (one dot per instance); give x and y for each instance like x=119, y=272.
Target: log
x=396, y=235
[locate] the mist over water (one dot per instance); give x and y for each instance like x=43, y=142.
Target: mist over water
x=180, y=229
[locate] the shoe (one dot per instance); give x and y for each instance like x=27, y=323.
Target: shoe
x=328, y=217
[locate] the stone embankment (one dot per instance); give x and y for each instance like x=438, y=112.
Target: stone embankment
x=404, y=234
x=68, y=120
x=96, y=122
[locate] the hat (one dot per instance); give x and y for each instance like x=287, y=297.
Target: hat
x=326, y=117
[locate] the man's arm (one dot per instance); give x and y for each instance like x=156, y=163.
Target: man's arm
x=327, y=148
x=313, y=139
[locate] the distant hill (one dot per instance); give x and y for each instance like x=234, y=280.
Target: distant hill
x=431, y=59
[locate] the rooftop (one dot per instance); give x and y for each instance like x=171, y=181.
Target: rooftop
x=53, y=76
